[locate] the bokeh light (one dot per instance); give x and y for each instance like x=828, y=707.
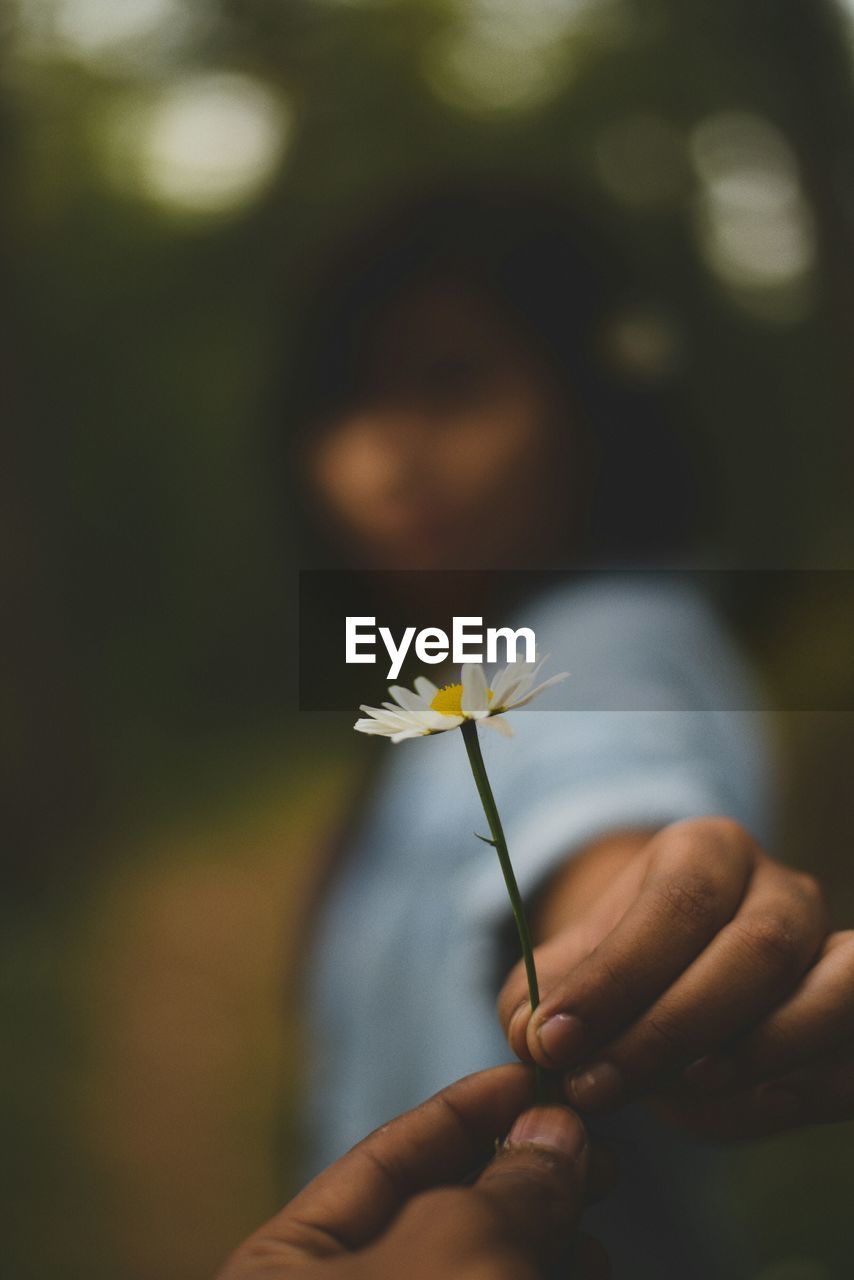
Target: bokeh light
x=642, y=343
x=505, y=57
x=208, y=144
x=103, y=33
x=754, y=224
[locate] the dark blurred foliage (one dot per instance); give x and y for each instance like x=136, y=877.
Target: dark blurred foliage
x=147, y=582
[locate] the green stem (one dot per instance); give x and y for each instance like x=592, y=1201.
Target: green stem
x=490, y=809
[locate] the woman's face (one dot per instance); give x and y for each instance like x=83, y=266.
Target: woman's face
x=456, y=458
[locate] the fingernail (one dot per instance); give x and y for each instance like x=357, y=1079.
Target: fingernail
x=776, y=1102
x=552, y=1127
x=596, y=1087
x=710, y=1074
x=521, y=1015
x=561, y=1038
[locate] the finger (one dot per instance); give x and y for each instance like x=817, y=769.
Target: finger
x=520, y=1214
x=536, y=1184
x=753, y=962
x=816, y=1019
x=439, y=1142
x=822, y=1093
x=603, y=1172
x=553, y=960
x=697, y=875
x=571, y=943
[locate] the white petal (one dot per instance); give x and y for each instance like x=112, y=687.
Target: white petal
x=394, y=719
x=499, y=723
x=528, y=672
x=475, y=699
x=426, y=688
x=437, y=722
x=422, y=721
x=383, y=713
x=532, y=670
x=538, y=689
x=402, y=713
x=516, y=680
x=502, y=680
x=373, y=711
x=374, y=727
x=408, y=733
x=409, y=700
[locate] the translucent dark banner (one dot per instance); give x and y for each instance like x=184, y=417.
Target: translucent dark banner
x=635, y=639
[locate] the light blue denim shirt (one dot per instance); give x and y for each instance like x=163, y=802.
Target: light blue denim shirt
x=404, y=979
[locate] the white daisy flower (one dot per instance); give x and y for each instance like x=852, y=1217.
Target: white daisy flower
x=429, y=709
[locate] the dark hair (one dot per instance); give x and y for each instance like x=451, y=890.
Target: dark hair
x=564, y=286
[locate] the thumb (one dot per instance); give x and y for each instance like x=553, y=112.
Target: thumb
x=537, y=1180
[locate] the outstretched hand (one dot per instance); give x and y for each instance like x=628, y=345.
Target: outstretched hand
x=701, y=973
x=395, y=1206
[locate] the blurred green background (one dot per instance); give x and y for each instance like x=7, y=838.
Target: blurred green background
x=167, y=168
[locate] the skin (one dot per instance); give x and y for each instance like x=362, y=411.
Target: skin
x=691, y=969
x=685, y=965
x=455, y=461
x=395, y=1206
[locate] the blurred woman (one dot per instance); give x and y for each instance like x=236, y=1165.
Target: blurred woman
x=463, y=402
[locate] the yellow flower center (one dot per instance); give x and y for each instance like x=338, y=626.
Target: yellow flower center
x=449, y=700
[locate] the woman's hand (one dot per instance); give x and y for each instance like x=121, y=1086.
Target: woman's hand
x=394, y=1206
x=700, y=971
